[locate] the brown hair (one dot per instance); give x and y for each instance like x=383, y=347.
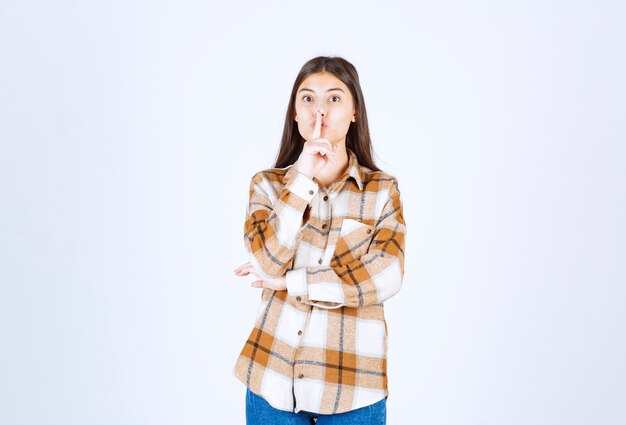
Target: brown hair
x=358, y=136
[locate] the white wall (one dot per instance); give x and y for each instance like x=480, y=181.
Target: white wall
x=129, y=132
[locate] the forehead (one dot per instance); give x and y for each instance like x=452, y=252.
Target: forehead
x=322, y=81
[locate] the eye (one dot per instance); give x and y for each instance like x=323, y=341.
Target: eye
x=338, y=98
x=305, y=97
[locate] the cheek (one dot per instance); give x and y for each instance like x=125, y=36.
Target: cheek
x=344, y=112
x=303, y=129
x=302, y=107
x=342, y=118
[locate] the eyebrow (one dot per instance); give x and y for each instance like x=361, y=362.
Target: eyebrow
x=334, y=88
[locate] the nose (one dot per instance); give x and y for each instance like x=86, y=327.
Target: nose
x=320, y=110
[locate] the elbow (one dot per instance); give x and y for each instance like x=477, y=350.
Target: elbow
x=390, y=282
x=267, y=269
x=270, y=258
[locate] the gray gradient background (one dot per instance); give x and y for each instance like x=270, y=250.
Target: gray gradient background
x=129, y=132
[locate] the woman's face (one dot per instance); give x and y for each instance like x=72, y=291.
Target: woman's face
x=325, y=93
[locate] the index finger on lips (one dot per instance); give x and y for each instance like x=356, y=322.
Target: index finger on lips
x=317, y=130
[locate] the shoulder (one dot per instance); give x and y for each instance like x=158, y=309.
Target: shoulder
x=271, y=176
x=379, y=180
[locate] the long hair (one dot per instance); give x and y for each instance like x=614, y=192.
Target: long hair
x=358, y=136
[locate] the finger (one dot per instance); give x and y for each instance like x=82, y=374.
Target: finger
x=257, y=284
x=238, y=269
x=247, y=270
x=317, y=129
x=323, y=142
x=326, y=152
x=321, y=146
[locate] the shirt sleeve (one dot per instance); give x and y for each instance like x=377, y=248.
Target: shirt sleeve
x=371, y=279
x=271, y=227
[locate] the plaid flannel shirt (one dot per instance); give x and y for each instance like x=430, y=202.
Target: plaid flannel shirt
x=321, y=345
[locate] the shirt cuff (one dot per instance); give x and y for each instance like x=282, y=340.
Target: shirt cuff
x=296, y=281
x=300, y=184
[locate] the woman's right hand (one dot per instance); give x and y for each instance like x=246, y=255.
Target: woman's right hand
x=316, y=152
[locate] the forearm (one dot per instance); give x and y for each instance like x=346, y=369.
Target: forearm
x=271, y=230
x=372, y=279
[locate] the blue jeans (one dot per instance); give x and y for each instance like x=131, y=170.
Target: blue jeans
x=259, y=411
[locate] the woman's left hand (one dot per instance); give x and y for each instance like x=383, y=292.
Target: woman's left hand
x=278, y=284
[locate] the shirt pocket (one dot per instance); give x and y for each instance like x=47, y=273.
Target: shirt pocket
x=353, y=241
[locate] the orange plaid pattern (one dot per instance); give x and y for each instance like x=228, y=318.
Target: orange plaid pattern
x=321, y=345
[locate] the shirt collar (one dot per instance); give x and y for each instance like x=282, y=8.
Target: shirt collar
x=354, y=169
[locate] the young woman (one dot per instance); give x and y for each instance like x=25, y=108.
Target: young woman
x=326, y=233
